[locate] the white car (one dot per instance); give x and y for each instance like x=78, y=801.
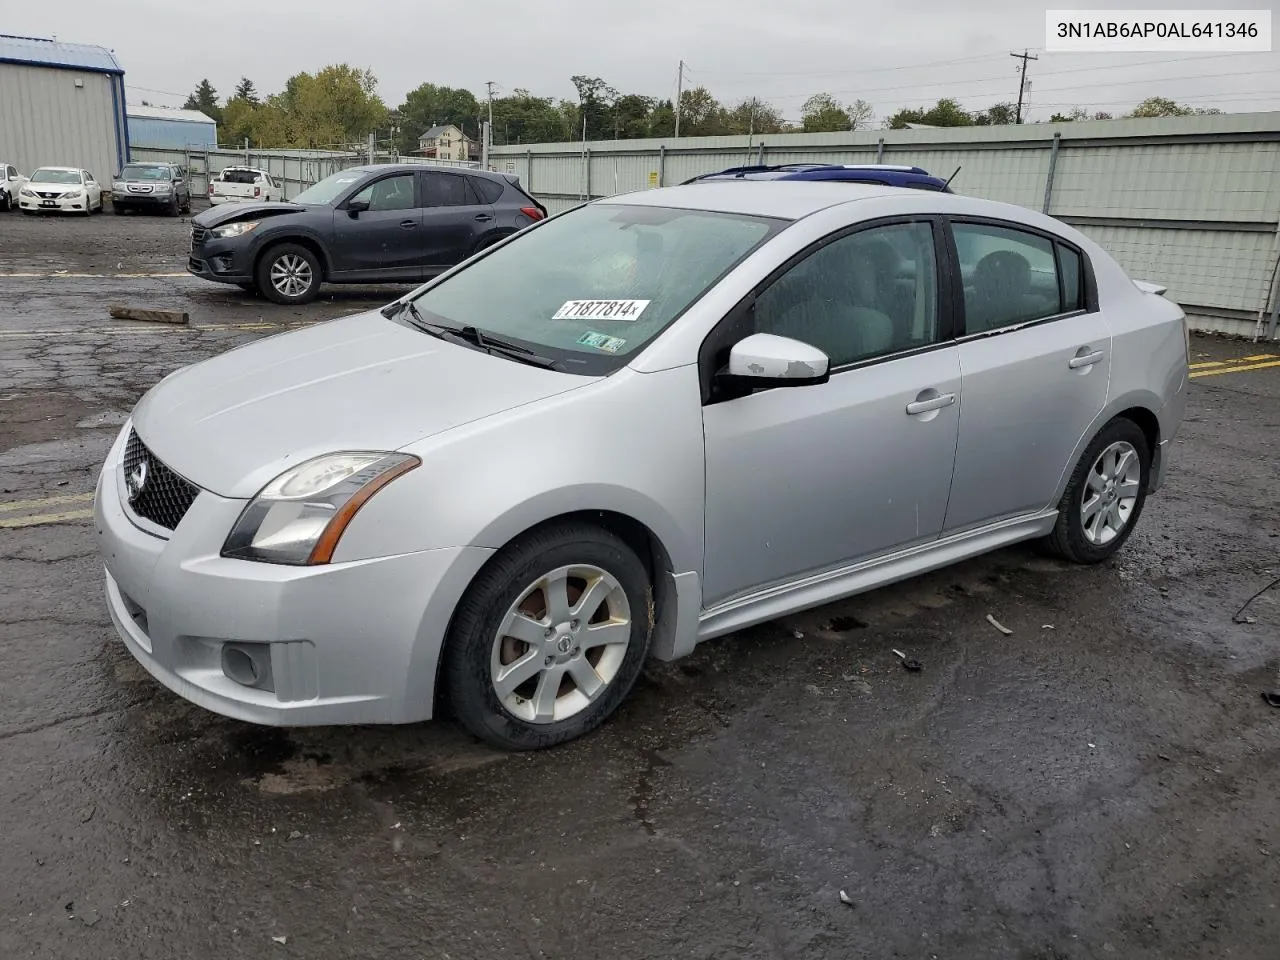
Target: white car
x=11, y=183
x=241, y=184
x=61, y=190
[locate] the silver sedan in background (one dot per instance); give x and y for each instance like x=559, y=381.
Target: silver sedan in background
x=652, y=420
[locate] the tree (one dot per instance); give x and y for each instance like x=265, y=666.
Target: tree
x=595, y=104
x=245, y=91
x=822, y=113
x=524, y=118
x=1164, y=107
x=204, y=99
x=996, y=115
x=662, y=119
x=1079, y=113
x=428, y=105
x=752, y=116
x=337, y=106
x=860, y=113
x=700, y=114
x=945, y=113
x=632, y=115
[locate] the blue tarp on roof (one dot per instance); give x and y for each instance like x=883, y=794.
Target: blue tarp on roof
x=54, y=53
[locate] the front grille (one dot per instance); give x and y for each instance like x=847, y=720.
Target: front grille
x=165, y=497
x=198, y=236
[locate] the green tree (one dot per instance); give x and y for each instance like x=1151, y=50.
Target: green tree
x=1164, y=107
x=700, y=114
x=945, y=113
x=662, y=119
x=246, y=91
x=336, y=106
x=822, y=113
x=428, y=105
x=205, y=99
x=996, y=115
x=632, y=116
x=595, y=105
x=752, y=115
x=524, y=118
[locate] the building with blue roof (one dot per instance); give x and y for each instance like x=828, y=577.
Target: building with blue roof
x=63, y=105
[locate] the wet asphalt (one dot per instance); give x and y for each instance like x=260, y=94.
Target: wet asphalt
x=1101, y=782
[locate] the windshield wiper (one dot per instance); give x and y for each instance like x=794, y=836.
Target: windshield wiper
x=471, y=336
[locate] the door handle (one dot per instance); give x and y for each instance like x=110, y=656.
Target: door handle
x=409, y=224
x=1084, y=360
x=917, y=407
x=484, y=217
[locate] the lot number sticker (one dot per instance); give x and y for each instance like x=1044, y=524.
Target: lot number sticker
x=601, y=342
x=601, y=310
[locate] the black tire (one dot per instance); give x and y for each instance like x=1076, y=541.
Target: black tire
x=175, y=208
x=186, y=205
x=5, y=203
x=1069, y=539
x=117, y=210
x=277, y=254
x=478, y=617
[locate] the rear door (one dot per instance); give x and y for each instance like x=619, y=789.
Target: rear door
x=454, y=218
x=1035, y=356
x=383, y=242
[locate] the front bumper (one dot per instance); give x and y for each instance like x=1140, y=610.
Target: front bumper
x=56, y=205
x=142, y=201
x=345, y=643
x=222, y=260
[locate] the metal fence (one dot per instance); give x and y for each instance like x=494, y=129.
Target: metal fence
x=1191, y=202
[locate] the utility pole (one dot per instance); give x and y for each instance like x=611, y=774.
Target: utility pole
x=679, y=91
x=1022, y=80
x=489, y=84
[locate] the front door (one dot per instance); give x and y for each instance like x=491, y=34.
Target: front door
x=454, y=220
x=1036, y=360
x=805, y=479
x=383, y=242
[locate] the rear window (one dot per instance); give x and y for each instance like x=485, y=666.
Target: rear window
x=239, y=176
x=489, y=190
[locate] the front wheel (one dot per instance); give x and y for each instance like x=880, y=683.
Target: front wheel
x=290, y=274
x=550, y=638
x=1104, y=496
x=5, y=203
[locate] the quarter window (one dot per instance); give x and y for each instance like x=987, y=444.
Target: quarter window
x=1010, y=276
x=863, y=295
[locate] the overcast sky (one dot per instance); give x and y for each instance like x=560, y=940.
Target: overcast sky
x=904, y=53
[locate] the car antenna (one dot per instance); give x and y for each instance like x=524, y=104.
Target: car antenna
x=950, y=178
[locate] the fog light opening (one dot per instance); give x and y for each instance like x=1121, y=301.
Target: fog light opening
x=240, y=667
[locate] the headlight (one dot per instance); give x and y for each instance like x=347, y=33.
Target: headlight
x=236, y=229
x=163, y=188
x=299, y=516
x=27, y=193
x=73, y=195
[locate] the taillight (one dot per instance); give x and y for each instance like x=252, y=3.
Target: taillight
x=257, y=191
x=211, y=189
x=533, y=213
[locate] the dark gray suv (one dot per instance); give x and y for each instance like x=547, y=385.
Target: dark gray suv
x=151, y=186
x=386, y=222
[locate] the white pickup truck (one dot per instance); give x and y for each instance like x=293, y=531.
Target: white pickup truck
x=239, y=184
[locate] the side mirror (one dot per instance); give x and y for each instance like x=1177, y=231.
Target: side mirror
x=355, y=206
x=767, y=360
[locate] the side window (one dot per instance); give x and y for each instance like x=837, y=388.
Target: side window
x=392, y=193
x=447, y=190
x=864, y=295
x=488, y=190
x=1010, y=276
x=1072, y=277
x=13, y=173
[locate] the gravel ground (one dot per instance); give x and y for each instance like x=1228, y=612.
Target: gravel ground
x=1097, y=784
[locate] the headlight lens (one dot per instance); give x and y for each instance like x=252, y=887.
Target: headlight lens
x=236, y=229
x=73, y=195
x=299, y=516
x=27, y=193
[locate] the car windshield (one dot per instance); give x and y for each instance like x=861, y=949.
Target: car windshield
x=133, y=172
x=330, y=188
x=596, y=284
x=55, y=176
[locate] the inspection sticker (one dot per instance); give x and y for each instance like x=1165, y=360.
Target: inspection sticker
x=601, y=342
x=601, y=310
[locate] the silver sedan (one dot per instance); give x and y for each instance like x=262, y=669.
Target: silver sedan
x=650, y=421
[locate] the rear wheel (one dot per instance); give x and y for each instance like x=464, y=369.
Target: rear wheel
x=289, y=273
x=549, y=639
x=1104, y=496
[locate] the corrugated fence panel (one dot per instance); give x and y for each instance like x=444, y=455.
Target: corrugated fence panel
x=1200, y=181
x=1009, y=176
x=47, y=121
x=1223, y=270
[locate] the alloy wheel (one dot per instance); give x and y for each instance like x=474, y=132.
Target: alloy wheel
x=1110, y=493
x=291, y=275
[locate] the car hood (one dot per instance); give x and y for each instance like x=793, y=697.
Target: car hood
x=244, y=210
x=233, y=423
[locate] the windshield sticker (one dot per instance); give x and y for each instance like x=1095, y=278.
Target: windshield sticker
x=601, y=342
x=601, y=310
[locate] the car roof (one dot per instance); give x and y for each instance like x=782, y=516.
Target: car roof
x=893, y=175
x=781, y=199
x=66, y=169
x=411, y=167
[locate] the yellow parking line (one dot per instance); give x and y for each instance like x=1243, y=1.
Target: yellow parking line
x=1236, y=369
x=1226, y=363
x=43, y=518
x=45, y=502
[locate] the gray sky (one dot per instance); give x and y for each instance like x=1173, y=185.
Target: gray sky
x=904, y=53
